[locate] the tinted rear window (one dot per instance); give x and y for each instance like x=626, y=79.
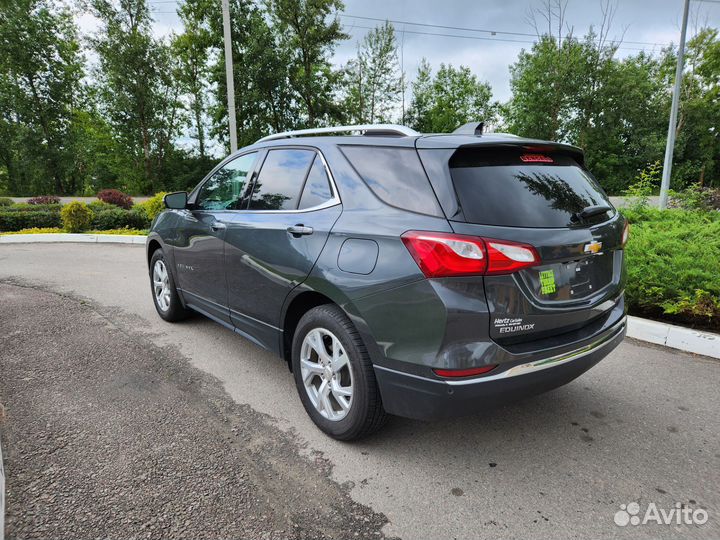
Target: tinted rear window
x=513, y=189
x=396, y=176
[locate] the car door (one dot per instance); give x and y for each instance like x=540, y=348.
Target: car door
x=199, y=259
x=271, y=247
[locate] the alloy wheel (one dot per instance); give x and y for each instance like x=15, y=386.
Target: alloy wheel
x=161, y=285
x=326, y=374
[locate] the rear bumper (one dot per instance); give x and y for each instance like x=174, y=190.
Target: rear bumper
x=413, y=396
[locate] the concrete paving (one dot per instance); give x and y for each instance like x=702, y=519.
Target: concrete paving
x=643, y=426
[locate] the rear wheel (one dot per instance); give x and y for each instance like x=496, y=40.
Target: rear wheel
x=165, y=295
x=334, y=375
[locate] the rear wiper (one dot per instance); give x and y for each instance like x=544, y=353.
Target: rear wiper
x=590, y=211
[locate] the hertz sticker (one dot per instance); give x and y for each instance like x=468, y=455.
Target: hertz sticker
x=547, y=282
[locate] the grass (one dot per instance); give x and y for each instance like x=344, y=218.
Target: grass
x=57, y=230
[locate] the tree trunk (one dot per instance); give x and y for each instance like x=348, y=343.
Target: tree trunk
x=199, y=126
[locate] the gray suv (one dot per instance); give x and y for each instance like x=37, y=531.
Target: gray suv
x=424, y=276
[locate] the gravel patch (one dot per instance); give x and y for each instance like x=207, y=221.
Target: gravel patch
x=106, y=435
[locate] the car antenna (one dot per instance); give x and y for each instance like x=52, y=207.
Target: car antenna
x=471, y=128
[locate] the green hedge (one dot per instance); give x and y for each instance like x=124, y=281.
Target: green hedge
x=117, y=218
x=14, y=221
x=25, y=207
x=673, y=262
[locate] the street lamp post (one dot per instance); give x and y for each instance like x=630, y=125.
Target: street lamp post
x=672, y=126
x=229, y=74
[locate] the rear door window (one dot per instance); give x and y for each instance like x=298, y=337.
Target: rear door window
x=396, y=176
x=511, y=188
x=281, y=178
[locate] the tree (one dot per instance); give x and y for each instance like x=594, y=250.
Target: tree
x=452, y=98
x=418, y=114
x=372, y=80
x=309, y=39
x=191, y=50
x=264, y=98
x=137, y=90
x=577, y=91
x=41, y=68
x=697, y=150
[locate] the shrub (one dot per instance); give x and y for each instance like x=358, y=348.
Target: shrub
x=643, y=185
x=6, y=201
x=99, y=206
x=14, y=221
x=44, y=199
x=695, y=197
x=116, y=197
x=25, y=207
x=111, y=218
x=76, y=217
x=139, y=218
x=117, y=218
x=673, y=257
x=154, y=205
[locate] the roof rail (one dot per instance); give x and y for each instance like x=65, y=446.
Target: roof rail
x=365, y=129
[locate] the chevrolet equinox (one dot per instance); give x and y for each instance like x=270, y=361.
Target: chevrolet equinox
x=424, y=276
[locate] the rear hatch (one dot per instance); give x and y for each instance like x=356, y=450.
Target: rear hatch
x=544, y=197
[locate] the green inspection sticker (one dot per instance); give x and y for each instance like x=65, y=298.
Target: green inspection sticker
x=547, y=282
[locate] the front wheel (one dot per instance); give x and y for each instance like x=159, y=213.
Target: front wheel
x=165, y=295
x=334, y=375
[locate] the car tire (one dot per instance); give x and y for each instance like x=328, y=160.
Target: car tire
x=164, y=294
x=365, y=414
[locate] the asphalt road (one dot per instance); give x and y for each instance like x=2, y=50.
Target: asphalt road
x=108, y=435
x=643, y=426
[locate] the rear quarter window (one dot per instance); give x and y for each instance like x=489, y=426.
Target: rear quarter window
x=511, y=188
x=396, y=176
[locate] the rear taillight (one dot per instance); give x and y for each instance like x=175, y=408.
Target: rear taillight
x=469, y=372
x=506, y=257
x=445, y=254
x=625, y=234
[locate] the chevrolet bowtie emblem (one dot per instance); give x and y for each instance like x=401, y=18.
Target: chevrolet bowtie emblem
x=592, y=247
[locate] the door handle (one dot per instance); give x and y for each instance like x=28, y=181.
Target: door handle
x=218, y=226
x=299, y=230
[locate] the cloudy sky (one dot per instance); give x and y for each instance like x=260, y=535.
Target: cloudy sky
x=486, y=35
x=648, y=24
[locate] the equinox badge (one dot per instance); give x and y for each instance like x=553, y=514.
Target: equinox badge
x=593, y=247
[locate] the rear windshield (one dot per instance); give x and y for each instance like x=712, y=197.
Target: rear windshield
x=512, y=188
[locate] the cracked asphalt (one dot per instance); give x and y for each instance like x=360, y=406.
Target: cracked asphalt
x=120, y=425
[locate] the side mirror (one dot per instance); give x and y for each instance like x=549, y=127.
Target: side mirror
x=176, y=201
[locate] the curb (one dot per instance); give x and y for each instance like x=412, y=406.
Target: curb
x=675, y=337
x=667, y=335
x=72, y=237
